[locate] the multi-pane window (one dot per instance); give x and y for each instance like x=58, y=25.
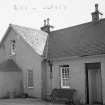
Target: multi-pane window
x=12, y=47
x=30, y=83
x=65, y=76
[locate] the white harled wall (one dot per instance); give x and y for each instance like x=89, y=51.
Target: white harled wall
x=77, y=74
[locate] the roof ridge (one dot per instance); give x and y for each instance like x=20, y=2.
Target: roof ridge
x=78, y=25
x=21, y=26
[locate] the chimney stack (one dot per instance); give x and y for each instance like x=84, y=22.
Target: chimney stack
x=95, y=15
x=46, y=26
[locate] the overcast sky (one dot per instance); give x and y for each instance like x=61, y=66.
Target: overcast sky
x=31, y=13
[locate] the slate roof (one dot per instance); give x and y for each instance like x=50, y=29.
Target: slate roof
x=81, y=40
x=35, y=38
x=9, y=65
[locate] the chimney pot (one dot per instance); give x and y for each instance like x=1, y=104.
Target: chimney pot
x=44, y=22
x=96, y=7
x=48, y=21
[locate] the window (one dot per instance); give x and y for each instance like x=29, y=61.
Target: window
x=12, y=47
x=30, y=79
x=65, y=75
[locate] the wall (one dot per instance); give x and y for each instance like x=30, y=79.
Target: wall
x=26, y=58
x=5, y=46
x=46, y=80
x=77, y=77
x=10, y=82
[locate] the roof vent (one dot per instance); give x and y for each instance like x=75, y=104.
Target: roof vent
x=95, y=15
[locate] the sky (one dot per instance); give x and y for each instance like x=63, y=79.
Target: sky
x=31, y=13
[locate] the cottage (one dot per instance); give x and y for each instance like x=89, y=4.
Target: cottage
x=76, y=60
x=35, y=62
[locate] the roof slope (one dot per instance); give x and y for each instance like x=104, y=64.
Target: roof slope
x=81, y=40
x=35, y=38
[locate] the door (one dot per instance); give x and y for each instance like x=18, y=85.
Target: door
x=94, y=84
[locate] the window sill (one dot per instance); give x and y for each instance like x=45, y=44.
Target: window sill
x=12, y=55
x=65, y=87
x=30, y=87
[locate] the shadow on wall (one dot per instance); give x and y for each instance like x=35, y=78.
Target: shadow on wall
x=10, y=79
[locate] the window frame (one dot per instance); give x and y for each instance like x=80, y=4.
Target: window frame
x=28, y=78
x=64, y=76
x=12, y=47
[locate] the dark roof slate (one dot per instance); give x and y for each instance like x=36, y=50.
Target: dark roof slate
x=81, y=40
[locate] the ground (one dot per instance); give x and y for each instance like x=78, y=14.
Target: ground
x=26, y=101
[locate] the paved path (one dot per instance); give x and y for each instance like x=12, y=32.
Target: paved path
x=24, y=102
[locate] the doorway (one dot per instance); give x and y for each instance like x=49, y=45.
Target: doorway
x=93, y=83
